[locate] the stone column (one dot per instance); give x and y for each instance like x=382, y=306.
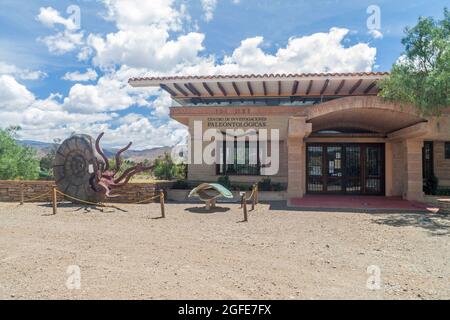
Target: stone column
x=413, y=163
x=388, y=170
x=298, y=129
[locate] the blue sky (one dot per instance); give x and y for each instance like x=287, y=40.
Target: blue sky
x=41, y=50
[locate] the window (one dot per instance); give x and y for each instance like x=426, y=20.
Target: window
x=238, y=157
x=447, y=150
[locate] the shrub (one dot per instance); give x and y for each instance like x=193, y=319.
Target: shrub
x=181, y=185
x=224, y=181
x=166, y=169
x=241, y=187
x=16, y=161
x=266, y=184
x=430, y=185
x=442, y=192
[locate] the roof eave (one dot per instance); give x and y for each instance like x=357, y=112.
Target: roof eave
x=157, y=81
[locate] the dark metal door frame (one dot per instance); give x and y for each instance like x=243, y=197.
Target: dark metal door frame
x=365, y=181
x=428, y=160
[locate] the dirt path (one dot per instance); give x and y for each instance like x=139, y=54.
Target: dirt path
x=277, y=254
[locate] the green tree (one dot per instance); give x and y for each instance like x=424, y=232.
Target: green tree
x=46, y=162
x=421, y=76
x=125, y=164
x=16, y=161
x=166, y=169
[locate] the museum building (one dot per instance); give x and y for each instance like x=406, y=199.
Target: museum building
x=336, y=136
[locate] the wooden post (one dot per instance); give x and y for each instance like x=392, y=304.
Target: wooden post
x=254, y=197
x=242, y=201
x=161, y=200
x=54, y=200
x=21, y=194
x=244, y=206
x=257, y=193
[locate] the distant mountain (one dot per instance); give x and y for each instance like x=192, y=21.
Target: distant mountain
x=139, y=155
x=43, y=148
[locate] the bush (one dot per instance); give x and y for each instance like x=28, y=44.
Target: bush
x=181, y=185
x=46, y=162
x=241, y=187
x=224, y=181
x=266, y=184
x=442, y=192
x=166, y=169
x=16, y=161
x=430, y=185
x=45, y=175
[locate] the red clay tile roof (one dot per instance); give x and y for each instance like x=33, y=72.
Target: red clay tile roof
x=243, y=76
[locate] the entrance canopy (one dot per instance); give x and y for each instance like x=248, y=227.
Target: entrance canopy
x=371, y=114
x=305, y=87
x=370, y=119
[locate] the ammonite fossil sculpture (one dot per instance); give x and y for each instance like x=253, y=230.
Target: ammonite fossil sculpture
x=82, y=169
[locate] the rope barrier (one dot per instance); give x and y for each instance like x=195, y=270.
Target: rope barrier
x=38, y=197
x=99, y=204
x=253, y=196
x=145, y=200
x=54, y=201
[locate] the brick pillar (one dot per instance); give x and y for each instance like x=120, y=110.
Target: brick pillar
x=413, y=163
x=297, y=131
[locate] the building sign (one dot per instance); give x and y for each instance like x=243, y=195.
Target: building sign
x=244, y=122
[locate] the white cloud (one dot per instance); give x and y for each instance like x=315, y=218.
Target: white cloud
x=144, y=38
x=23, y=74
x=376, y=34
x=144, y=134
x=89, y=75
x=110, y=93
x=85, y=53
x=147, y=47
x=319, y=52
x=63, y=41
x=97, y=98
x=51, y=17
x=128, y=14
x=208, y=8
x=13, y=95
x=41, y=119
x=162, y=104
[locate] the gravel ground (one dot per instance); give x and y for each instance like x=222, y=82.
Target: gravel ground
x=278, y=254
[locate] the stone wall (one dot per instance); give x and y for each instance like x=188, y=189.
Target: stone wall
x=10, y=190
x=133, y=192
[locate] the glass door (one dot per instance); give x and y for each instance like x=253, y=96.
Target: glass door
x=353, y=169
x=314, y=160
x=374, y=169
x=345, y=168
x=334, y=169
